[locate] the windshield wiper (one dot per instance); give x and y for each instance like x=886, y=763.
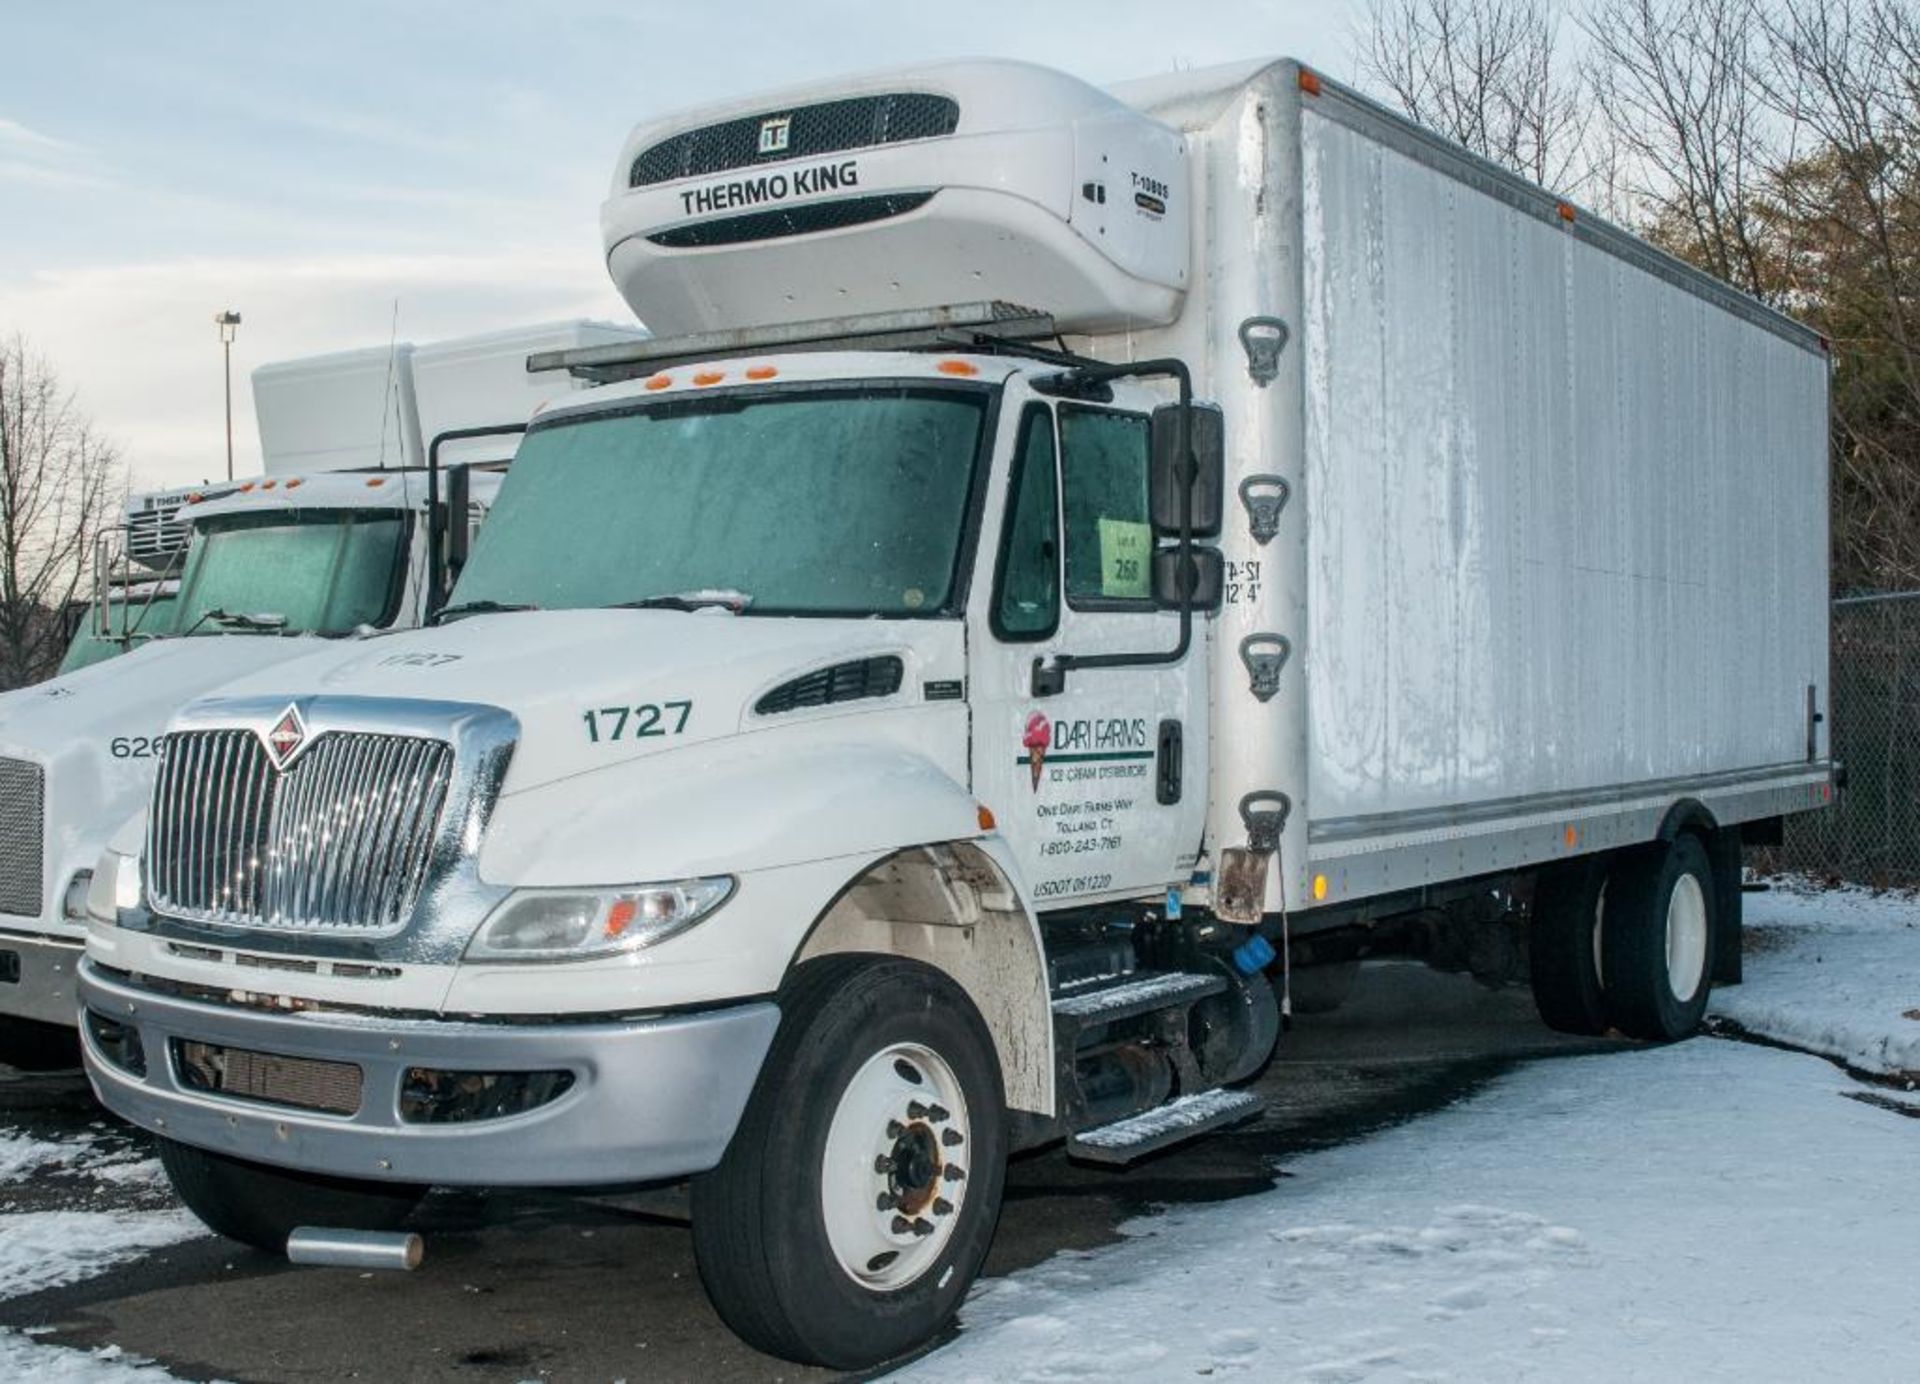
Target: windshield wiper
x=445, y=613
x=725, y=598
x=241, y=620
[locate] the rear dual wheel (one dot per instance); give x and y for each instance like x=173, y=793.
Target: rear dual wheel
x=1626, y=941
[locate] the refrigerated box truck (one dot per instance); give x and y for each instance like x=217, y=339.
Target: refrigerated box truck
x=335, y=540
x=1068, y=555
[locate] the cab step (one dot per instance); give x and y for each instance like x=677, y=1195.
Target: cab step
x=1177, y=1121
x=1111, y=999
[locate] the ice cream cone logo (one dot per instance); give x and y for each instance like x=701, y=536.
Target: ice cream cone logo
x=1038, y=736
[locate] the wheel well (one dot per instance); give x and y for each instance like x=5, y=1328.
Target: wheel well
x=1688, y=815
x=951, y=907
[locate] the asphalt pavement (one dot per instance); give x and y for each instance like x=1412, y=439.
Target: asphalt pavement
x=520, y=1286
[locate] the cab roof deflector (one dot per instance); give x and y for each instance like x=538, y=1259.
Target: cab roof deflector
x=959, y=326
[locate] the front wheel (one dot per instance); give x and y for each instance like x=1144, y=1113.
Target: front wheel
x=858, y=1197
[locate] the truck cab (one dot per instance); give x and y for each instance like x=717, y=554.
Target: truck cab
x=915, y=708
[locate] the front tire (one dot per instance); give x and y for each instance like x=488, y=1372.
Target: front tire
x=859, y=1195
x=261, y=1206
x=1658, y=944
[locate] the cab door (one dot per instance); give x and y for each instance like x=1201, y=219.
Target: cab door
x=1099, y=787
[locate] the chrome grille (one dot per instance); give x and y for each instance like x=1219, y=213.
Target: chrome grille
x=23, y=802
x=341, y=839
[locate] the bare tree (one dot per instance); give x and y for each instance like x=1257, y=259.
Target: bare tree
x=1673, y=80
x=1485, y=73
x=60, y=488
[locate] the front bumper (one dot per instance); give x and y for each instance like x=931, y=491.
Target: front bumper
x=652, y=1099
x=46, y=968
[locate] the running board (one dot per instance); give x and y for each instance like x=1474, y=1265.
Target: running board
x=1125, y=1141
x=1139, y=992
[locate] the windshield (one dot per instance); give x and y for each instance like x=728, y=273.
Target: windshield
x=324, y=572
x=130, y=622
x=815, y=501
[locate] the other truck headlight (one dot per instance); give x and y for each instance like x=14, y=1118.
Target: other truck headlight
x=73, y=906
x=574, y=925
x=113, y=885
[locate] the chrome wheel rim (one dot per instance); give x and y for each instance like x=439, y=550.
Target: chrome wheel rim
x=1686, y=938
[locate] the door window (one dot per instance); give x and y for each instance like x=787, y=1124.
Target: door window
x=1026, y=604
x=1103, y=475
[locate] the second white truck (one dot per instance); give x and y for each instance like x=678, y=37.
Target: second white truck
x=1070, y=558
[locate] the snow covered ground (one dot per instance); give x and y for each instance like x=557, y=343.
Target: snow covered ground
x=1834, y=972
x=1712, y=1210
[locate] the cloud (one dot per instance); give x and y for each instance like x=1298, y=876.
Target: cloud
x=138, y=344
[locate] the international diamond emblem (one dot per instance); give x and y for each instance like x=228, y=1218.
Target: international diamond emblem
x=289, y=733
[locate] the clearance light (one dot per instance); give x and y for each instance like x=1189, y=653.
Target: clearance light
x=375, y=482
x=268, y=485
x=964, y=368
x=1319, y=887
x=761, y=372
x=1309, y=81
x=559, y=925
x=245, y=488
x=1571, y=837
x=295, y=483
x=985, y=815
x=1567, y=213
x=659, y=381
x=707, y=377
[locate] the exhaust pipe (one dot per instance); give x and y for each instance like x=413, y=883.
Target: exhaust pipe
x=355, y=1249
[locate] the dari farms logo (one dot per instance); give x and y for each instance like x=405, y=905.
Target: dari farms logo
x=1092, y=740
x=283, y=742
x=1037, y=738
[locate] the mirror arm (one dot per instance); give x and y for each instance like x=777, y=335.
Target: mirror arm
x=1050, y=678
x=436, y=517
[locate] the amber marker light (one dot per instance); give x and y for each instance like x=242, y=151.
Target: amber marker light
x=295, y=483
x=659, y=381
x=762, y=372
x=268, y=485
x=245, y=488
x=375, y=482
x=964, y=368
x=1571, y=837
x=620, y=916
x=985, y=814
x=1319, y=887
x=707, y=377
x=1567, y=213
x=1309, y=81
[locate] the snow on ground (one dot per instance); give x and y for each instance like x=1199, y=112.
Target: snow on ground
x=1835, y=972
x=1709, y=1210
x=21, y=1357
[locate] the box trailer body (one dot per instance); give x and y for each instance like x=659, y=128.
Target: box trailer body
x=860, y=744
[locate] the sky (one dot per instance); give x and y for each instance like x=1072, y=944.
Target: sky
x=310, y=166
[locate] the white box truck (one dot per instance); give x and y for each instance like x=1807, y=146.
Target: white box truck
x=948, y=719
x=336, y=539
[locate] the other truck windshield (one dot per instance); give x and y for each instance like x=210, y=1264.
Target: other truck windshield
x=323, y=572
x=791, y=501
x=130, y=622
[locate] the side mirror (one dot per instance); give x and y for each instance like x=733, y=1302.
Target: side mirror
x=1195, y=583
x=1207, y=430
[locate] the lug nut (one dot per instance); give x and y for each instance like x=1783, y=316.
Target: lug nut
x=952, y=1138
x=922, y=1226
x=916, y=1111
x=883, y=1164
x=938, y=1114
x=901, y=1225
x=885, y=1202
x=953, y=1172
x=942, y=1207
x=895, y=1129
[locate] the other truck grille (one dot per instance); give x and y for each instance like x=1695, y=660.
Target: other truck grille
x=340, y=839
x=23, y=803
x=830, y=127
x=301, y=1082
x=803, y=220
x=157, y=536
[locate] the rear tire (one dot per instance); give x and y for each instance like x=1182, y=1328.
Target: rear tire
x=261, y=1206
x=1658, y=944
x=1563, y=936
x=798, y=1231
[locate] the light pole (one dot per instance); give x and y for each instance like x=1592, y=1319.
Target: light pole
x=228, y=322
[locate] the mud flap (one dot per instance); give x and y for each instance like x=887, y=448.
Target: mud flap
x=1240, y=888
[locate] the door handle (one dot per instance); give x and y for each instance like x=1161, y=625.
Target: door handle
x=1169, y=765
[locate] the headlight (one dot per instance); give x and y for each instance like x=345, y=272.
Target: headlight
x=114, y=885
x=575, y=925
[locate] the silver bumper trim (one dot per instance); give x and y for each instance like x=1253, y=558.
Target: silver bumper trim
x=652, y=1099
x=45, y=990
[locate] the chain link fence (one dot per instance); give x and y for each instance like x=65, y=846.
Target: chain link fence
x=1871, y=835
